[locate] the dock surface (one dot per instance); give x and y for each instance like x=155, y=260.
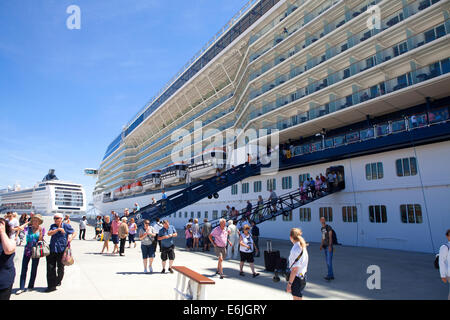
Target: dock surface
x=95, y=276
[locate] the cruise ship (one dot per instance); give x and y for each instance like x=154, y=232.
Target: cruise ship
x=46, y=198
x=363, y=85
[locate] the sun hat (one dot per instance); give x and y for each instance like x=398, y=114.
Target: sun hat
x=39, y=217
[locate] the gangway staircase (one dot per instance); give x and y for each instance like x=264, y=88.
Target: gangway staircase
x=196, y=192
x=286, y=203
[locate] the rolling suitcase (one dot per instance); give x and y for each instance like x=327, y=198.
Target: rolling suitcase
x=271, y=257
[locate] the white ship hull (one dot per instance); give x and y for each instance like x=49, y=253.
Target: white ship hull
x=46, y=198
x=429, y=188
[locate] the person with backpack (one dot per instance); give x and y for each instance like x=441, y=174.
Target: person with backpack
x=444, y=261
x=327, y=245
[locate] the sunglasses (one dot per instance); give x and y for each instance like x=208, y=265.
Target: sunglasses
x=56, y=218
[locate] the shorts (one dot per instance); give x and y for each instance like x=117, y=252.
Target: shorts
x=131, y=237
x=189, y=242
x=115, y=238
x=106, y=236
x=168, y=253
x=148, y=251
x=220, y=251
x=247, y=257
x=205, y=240
x=297, y=286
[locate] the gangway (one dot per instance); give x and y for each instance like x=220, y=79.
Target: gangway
x=287, y=202
x=196, y=192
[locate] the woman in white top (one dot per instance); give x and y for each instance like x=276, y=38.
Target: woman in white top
x=444, y=261
x=246, y=250
x=297, y=279
x=195, y=234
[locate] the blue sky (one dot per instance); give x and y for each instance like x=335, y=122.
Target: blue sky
x=65, y=94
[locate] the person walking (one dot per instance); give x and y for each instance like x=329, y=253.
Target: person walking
x=123, y=233
x=83, y=225
x=34, y=233
x=61, y=235
x=444, y=261
x=132, y=228
x=24, y=219
x=229, y=212
x=15, y=226
x=148, y=245
x=106, y=226
x=98, y=227
x=188, y=236
x=206, y=230
x=255, y=235
x=233, y=241
x=273, y=200
x=246, y=250
x=195, y=235
x=66, y=219
x=220, y=234
x=7, y=253
x=115, y=233
x=327, y=246
x=260, y=205
x=166, y=235
x=136, y=207
x=158, y=226
x=298, y=264
x=248, y=209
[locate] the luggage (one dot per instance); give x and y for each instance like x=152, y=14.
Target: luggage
x=281, y=264
x=271, y=257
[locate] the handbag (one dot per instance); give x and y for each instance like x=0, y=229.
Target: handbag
x=40, y=250
x=288, y=272
x=67, y=258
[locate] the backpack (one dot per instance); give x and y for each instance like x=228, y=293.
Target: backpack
x=436, y=260
x=334, y=236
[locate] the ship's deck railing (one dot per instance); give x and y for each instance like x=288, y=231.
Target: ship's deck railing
x=424, y=119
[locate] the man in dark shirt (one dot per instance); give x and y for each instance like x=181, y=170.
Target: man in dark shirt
x=166, y=235
x=255, y=235
x=327, y=245
x=61, y=235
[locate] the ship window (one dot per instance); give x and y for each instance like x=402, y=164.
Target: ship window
x=234, y=189
x=185, y=214
x=411, y=213
x=257, y=186
x=245, y=188
x=286, y=183
x=288, y=217
x=271, y=184
x=305, y=214
x=406, y=167
x=199, y=215
x=215, y=214
x=374, y=171
x=206, y=214
x=302, y=178
x=224, y=213
x=327, y=213
x=377, y=214
x=179, y=214
x=349, y=214
x=192, y=214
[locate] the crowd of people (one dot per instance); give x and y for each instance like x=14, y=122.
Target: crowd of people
x=29, y=230
x=232, y=239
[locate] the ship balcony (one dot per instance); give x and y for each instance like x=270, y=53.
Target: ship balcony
x=424, y=46
x=388, y=96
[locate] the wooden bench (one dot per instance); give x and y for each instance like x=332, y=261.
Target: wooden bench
x=194, y=289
